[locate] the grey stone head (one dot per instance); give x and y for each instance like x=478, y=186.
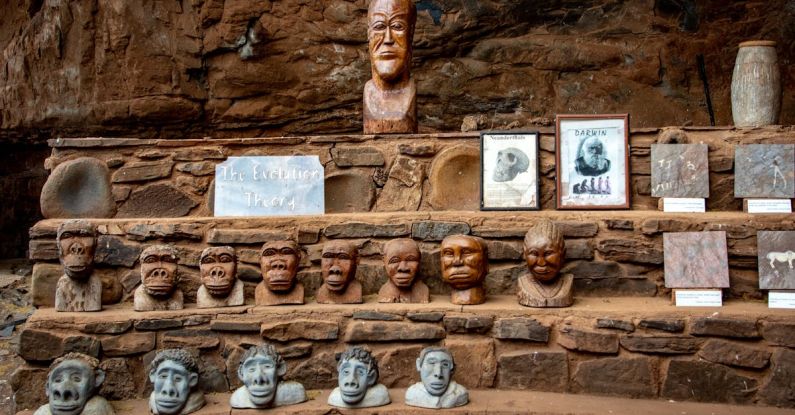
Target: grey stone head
x=510, y=162
x=261, y=369
x=358, y=371
x=436, y=367
x=76, y=242
x=174, y=374
x=73, y=379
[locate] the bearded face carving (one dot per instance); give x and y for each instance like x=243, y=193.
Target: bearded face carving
x=592, y=158
x=510, y=163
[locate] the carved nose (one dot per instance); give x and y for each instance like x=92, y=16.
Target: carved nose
x=260, y=380
x=159, y=273
x=169, y=389
x=217, y=272
x=279, y=266
x=77, y=249
x=388, y=39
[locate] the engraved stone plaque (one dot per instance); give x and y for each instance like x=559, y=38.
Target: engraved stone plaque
x=776, y=252
x=764, y=170
x=696, y=260
x=269, y=186
x=679, y=170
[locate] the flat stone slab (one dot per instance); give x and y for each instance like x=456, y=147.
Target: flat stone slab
x=679, y=170
x=764, y=170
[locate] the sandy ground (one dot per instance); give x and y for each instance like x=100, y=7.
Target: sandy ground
x=14, y=306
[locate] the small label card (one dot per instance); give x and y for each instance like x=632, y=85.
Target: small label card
x=781, y=299
x=698, y=298
x=769, y=206
x=684, y=205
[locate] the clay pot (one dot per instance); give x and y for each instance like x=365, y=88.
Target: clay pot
x=756, y=85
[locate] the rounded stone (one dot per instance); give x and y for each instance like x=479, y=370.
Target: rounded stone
x=455, y=179
x=349, y=192
x=78, y=188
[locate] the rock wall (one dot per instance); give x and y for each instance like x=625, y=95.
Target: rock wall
x=235, y=68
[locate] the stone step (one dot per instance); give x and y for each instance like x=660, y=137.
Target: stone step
x=481, y=402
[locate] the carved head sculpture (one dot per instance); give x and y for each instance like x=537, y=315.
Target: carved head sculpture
x=544, y=250
x=338, y=263
x=218, y=269
x=159, y=270
x=279, y=262
x=436, y=367
x=510, y=162
x=72, y=381
x=358, y=371
x=261, y=368
x=390, y=33
x=464, y=261
x=76, y=242
x=173, y=373
x=402, y=260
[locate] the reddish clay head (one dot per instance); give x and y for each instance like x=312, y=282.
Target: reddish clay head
x=279, y=264
x=338, y=264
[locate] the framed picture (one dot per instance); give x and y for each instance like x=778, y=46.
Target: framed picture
x=592, y=161
x=509, y=173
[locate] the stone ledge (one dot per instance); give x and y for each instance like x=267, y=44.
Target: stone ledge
x=481, y=401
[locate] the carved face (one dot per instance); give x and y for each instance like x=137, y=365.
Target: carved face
x=261, y=375
x=159, y=271
x=172, y=385
x=510, y=162
x=390, y=33
x=402, y=260
x=76, y=251
x=464, y=263
x=279, y=264
x=338, y=265
x=218, y=266
x=436, y=370
x=70, y=385
x=354, y=379
x=543, y=258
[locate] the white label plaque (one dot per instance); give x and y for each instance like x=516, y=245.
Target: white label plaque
x=769, y=206
x=781, y=299
x=684, y=204
x=699, y=298
x=269, y=186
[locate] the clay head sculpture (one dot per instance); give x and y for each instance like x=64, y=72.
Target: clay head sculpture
x=402, y=261
x=510, y=162
x=390, y=96
x=174, y=373
x=338, y=262
x=358, y=381
x=76, y=242
x=464, y=266
x=544, y=250
x=158, y=290
x=218, y=268
x=279, y=262
x=437, y=388
x=71, y=386
x=261, y=370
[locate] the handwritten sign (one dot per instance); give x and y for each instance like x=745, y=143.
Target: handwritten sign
x=269, y=186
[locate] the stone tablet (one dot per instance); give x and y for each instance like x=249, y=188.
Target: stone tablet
x=696, y=260
x=764, y=170
x=269, y=186
x=776, y=260
x=679, y=170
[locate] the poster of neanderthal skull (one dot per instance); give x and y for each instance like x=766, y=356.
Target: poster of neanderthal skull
x=776, y=259
x=509, y=178
x=592, y=161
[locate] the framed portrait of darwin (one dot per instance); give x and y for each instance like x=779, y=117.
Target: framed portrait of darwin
x=509, y=173
x=592, y=155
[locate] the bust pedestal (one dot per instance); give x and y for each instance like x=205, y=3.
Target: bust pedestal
x=264, y=296
x=558, y=293
x=391, y=111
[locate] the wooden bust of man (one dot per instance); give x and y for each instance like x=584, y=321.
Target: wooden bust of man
x=390, y=96
x=402, y=260
x=220, y=286
x=544, y=250
x=158, y=289
x=79, y=289
x=338, y=263
x=464, y=266
x=279, y=262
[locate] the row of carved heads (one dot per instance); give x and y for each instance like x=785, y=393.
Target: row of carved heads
x=464, y=265
x=75, y=378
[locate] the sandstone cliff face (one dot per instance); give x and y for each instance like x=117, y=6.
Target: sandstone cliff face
x=236, y=67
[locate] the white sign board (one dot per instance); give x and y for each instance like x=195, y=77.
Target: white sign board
x=781, y=299
x=769, y=206
x=698, y=298
x=684, y=204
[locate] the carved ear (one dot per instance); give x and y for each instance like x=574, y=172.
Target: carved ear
x=99, y=377
x=240, y=371
x=282, y=369
x=193, y=380
x=419, y=364
x=152, y=376
x=372, y=378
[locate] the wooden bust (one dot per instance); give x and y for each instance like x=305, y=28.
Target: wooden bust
x=544, y=250
x=79, y=289
x=390, y=96
x=338, y=266
x=279, y=262
x=402, y=260
x=464, y=266
x=158, y=289
x=220, y=286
